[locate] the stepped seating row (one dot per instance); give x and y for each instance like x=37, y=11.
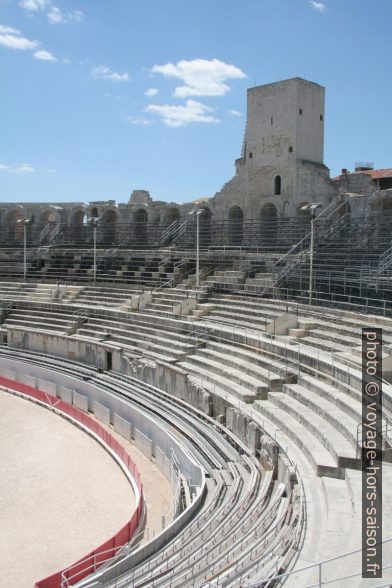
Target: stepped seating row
x=324, y=332
x=58, y=321
x=34, y=292
x=316, y=416
x=320, y=418
x=73, y=265
x=138, y=334
x=105, y=296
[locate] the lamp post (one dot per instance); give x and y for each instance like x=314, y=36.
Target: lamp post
x=25, y=222
x=197, y=212
x=312, y=209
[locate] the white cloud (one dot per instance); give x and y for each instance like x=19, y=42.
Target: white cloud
x=179, y=116
x=21, y=168
x=34, y=5
x=317, y=5
x=51, y=171
x=12, y=39
x=235, y=112
x=44, y=55
x=103, y=72
x=137, y=120
x=201, y=77
x=55, y=15
x=151, y=92
x=10, y=30
x=76, y=15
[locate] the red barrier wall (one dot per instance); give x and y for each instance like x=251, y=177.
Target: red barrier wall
x=91, y=561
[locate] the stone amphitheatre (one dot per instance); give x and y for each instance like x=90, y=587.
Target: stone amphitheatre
x=193, y=373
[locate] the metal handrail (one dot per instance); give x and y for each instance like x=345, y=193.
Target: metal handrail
x=169, y=231
x=318, y=566
x=309, y=234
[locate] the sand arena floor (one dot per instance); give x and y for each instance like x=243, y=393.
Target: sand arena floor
x=61, y=494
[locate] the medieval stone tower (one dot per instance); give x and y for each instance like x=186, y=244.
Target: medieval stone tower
x=281, y=166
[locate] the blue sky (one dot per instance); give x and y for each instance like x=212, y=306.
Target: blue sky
x=100, y=97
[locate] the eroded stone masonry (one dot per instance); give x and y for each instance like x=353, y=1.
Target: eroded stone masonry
x=280, y=170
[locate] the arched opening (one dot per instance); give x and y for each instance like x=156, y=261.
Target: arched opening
x=14, y=230
x=109, y=225
x=236, y=221
x=77, y=225
x=278, y=185
x=47, y=216
x=269, y=212
x=269, y=217
x=94, y=212
x=172, y=214
x=140, y=220
x=205, y=227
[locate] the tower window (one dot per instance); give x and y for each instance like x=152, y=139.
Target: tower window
x=300, y=110
x=272, y=121
x=321, y=117
x=278, y=185
x=290, y=149
x=250, y=155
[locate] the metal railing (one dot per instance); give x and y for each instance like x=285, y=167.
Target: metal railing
x=320, y=578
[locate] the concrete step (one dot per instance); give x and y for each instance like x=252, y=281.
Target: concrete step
x=27, y=325
x=157, y=348
x=218, y=384
x=323, y=462
x=156, y=352
x=331, y=438
x=285, y=370
x=261, y=368
x=336, y=337
x=147, y=336
x=327, y=409
x=323, y=344
x=210, y=361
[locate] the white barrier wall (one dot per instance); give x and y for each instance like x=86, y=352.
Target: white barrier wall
x=122, y=427
x=101, y=413
x=80, y=401
x=85, y=394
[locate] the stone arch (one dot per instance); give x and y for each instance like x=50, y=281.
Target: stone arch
x=93, y=212
x=278, y=185
x=269, y=212
x=77, y=224
x=236, y=225
x=14, y=230
x=49, y=215
x=140, y=216
x=205, y=227
x=109, y=226
x=171, y=215
x=140, y=220
x=269, y=217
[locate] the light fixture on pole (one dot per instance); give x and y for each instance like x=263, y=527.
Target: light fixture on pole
x=25, y=222
x=197, y=212
x=312, y=209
